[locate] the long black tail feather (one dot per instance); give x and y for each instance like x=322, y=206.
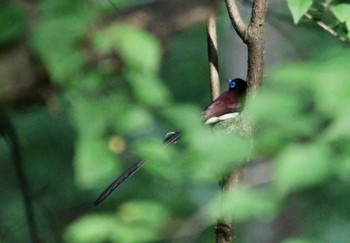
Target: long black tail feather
x=171, y=138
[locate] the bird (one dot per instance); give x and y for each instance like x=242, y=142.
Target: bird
x=227, y=106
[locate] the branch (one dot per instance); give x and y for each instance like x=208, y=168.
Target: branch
x=236, y=19
x=223, y=231
x=256, y=44
x=258, y=13
x=213, y=57
x=253, y=36
x=327, y=28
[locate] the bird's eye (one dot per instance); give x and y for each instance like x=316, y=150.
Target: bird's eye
x=232, y=84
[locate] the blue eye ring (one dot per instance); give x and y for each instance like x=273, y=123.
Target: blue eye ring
x=232, y=84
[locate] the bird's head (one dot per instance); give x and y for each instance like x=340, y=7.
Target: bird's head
x=238, y=85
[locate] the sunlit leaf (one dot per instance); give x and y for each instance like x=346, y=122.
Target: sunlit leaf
x=287, y=101
x=56, y=41
x=244, y=204
x=298, y=8
x=134, y=120
x=326, y=80
x=338, y=129
x=210, y=154
x=159, y=156
x=342, y=12
x=148, y=88
x=145, y=212
x=138, y=48
x=332, y=87
x=301, y=166
x=184, y=116
x=94, y=163
x=140, y=222
x=94, y=116
x=91, y=228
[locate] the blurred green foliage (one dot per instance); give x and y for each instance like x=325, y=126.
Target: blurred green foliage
x=12, y=21
x=133, y=221
x=108, y=120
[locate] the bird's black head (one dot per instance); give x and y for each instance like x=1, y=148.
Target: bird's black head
x=238, y=85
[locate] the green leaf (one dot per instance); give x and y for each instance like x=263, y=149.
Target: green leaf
x=91, y=228
x=244, y=204
x=92, y=117
x=152, y=149
x=298, y=8
x=332, y=87
x=135, y=120
x=282, y=99
x=326, y=79
x=149, y=213
x=339, y=129
x=300, y=166
x=140, y=221
x=342, y=12
x=139, y=49
x=148, y=89
x=163, y=162
x=211, y=153
x=56, y=41
x=184, y=116
x=94, y=163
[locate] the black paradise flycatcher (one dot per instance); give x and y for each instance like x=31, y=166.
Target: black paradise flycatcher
x=226, y=106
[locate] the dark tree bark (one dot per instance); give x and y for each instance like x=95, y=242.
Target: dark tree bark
x=252, y=35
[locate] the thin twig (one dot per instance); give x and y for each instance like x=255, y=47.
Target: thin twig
x=327, y=28
x=236, y=19
x=213, y=57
